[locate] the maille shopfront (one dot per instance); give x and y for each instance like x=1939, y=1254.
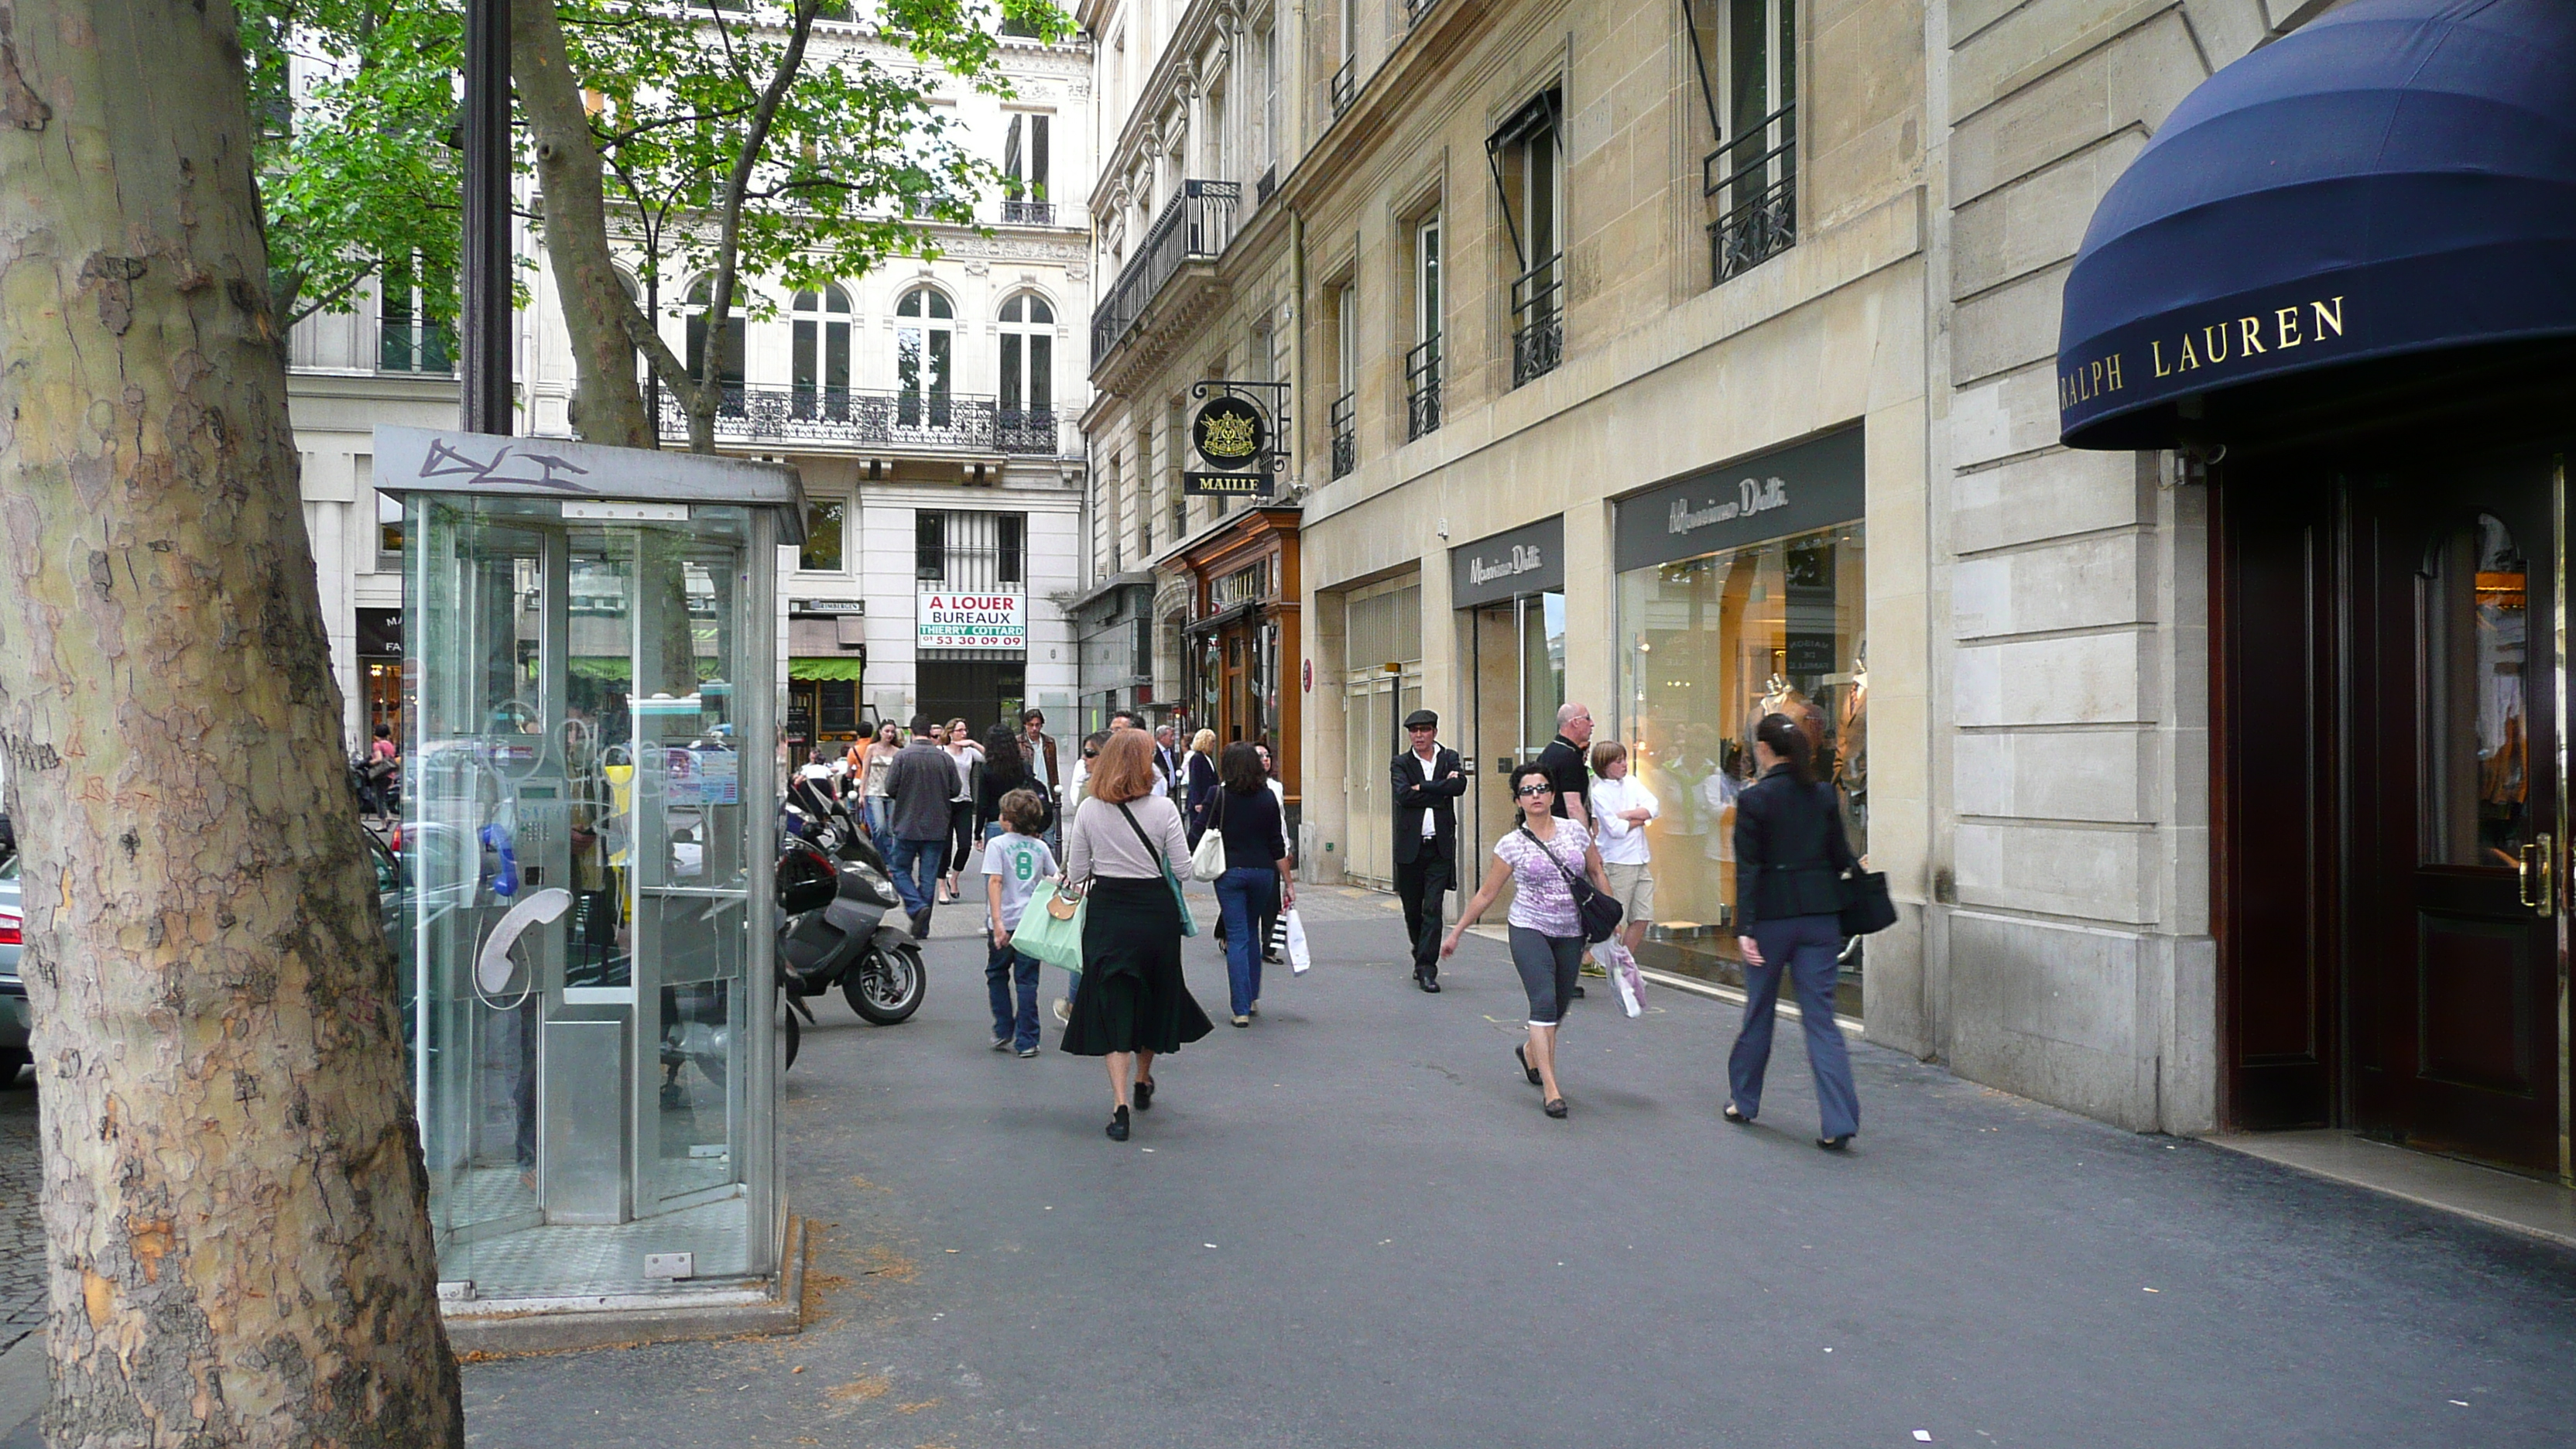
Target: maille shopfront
x=1740, y=593
x=2338, y=285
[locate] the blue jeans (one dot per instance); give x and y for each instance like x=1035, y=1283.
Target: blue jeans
x=1003, y=969
x=879, y=808
x=1804, y=947
x=1242, y=894
x=915, y=866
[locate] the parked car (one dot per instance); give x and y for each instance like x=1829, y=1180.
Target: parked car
x=13, y=992
x=15, y=1022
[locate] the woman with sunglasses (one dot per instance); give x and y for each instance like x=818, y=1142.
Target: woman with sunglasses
x=1542, y=850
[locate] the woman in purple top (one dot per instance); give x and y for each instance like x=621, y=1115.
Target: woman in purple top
x=1540, y=856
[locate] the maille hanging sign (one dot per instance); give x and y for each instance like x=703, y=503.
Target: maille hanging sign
x=1233, y=439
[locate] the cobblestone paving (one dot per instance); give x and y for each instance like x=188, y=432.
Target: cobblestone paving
x=22, y=1234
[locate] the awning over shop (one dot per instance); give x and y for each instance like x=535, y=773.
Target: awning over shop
x=800, y=667
x=2395, y=177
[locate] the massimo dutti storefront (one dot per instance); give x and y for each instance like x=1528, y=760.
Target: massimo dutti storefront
x=2337, y=284
x=1739, y=595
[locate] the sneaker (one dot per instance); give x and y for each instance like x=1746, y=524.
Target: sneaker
x=1243, y=1021
x=1028, y=1051
x=1063, y=1012
x=1255, y=1009
x=1001, y=1043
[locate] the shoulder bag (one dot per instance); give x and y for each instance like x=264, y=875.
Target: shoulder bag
x=1596, y=908
x=1180, y=902
x=1208, y=860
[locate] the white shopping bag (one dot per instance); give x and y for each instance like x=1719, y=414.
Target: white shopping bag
x=1622, y=967
x=1299, y=963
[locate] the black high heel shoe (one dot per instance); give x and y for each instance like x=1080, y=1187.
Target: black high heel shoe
x=1117, y=1128
x=1144, y=1094
x=1527, y=1070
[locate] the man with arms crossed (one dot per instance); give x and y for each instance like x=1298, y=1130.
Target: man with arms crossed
x=1428, y=780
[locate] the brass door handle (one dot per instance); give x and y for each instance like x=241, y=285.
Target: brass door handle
x=2534, y=875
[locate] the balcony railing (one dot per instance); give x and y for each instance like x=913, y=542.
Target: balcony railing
x=1422, y=390
x=1346, y=85
x=1754, y=181
x=1414, y=10
x=1028, y=213
x=1538, y=319
x=1266, y=186
x=1194, y=227
x=1346, y=445
x=936, y=421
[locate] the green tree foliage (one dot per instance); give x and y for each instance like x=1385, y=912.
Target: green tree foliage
x=361, y=165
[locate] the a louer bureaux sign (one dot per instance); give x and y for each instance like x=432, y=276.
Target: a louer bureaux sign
x=954, y=620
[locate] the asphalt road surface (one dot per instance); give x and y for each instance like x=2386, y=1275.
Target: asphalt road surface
x=1351, y=1225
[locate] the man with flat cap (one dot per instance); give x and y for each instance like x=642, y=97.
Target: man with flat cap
x=1428, y=781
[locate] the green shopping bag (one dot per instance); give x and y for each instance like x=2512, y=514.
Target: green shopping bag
x=1054, y=939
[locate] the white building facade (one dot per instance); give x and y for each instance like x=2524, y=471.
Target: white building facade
x=931, y=406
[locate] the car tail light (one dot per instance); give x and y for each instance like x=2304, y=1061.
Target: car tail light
x=10, y=932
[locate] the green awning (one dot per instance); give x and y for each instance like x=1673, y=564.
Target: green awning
x=812, y=667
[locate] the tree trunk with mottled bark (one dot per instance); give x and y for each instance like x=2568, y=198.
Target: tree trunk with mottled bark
x=607, y=402
x=234, y=1202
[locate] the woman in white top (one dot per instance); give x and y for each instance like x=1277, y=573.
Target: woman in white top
x=874, y=762
x=1133, y=1004
x=1621, y=806
x=961, y=806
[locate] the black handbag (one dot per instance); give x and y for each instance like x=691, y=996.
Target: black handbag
x=1866, y=908
x=1596, y=908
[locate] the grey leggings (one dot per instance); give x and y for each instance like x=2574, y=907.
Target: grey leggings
x=1547, y=965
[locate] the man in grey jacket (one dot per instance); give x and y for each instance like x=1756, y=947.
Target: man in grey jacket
x=918, y=787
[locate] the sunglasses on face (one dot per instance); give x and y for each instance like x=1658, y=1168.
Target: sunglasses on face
x=1528, y=790
x=1091, y=754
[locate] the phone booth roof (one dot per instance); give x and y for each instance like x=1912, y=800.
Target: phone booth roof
x=425, y=460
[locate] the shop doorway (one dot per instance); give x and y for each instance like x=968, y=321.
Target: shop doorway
x=1516, y=656
x=1382, y=683
x=979, y=691
x=2389, y=888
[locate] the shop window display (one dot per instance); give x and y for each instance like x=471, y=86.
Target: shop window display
x=1714, y=643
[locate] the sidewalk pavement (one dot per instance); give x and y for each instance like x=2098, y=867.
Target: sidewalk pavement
x=1351, y=1225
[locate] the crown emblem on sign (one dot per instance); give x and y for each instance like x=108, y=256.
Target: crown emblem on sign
x=1229, y=435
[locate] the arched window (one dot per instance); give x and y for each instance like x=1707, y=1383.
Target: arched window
x=925, y=354
x=729, y=343
x=1028, y=364
x=822, y=353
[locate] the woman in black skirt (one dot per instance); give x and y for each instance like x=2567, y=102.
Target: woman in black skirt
x=1133, y=1003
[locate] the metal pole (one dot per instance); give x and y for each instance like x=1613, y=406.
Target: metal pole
x=483, y=360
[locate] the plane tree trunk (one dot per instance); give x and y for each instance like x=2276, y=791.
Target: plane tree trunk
x=234, y=1202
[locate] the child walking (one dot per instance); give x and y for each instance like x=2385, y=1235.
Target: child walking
x=1014, y=863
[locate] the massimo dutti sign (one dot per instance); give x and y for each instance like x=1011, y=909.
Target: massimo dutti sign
x=1805, y=486
x=1525, y=560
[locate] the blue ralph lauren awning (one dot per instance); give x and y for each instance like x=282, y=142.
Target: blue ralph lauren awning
x=2396, y=177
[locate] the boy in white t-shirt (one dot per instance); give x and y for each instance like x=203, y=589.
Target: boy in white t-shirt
x=1014, y=863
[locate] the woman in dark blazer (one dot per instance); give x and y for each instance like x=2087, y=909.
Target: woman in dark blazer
x=1199, y=782
x=1790, y=856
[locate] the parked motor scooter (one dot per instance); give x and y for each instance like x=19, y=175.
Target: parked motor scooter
x=841, y=923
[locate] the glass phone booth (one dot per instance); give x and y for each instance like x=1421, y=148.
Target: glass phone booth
x=589, y=839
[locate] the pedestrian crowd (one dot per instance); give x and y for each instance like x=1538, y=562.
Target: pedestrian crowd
x=1105, y=839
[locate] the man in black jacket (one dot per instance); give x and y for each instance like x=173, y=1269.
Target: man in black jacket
x=1428, y=780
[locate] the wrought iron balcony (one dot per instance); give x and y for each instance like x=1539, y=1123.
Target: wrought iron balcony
x=1754, y=181
x=1414, y=10
x=1346, y=86
x=937, y=421
x=1346, y=445
x=1028, y=213
x=1422, y=390
x=1266, y=186
x=1538, y=319
x=1194, y=227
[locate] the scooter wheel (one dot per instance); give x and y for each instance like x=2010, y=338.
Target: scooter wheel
x=888, y=985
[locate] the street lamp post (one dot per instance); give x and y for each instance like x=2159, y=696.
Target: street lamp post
x=483, y=362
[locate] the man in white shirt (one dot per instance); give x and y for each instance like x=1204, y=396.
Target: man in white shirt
x=1621, y=806
x=1428, y=779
